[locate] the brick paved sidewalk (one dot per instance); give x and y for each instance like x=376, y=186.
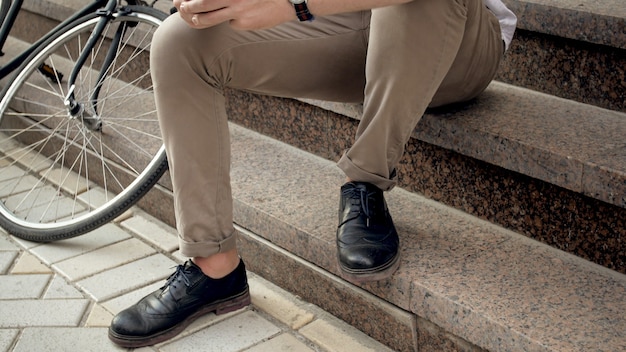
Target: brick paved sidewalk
x=61, y=296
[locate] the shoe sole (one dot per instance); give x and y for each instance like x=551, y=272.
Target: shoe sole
x=221, y=307
x=367, y=275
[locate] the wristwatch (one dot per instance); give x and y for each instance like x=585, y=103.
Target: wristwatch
x=302, y=10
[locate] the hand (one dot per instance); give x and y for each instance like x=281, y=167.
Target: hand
x=242, y=14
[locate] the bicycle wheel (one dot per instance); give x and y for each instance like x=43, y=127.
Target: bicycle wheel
x=60, y=176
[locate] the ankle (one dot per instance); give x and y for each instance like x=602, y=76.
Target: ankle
x=218, y=265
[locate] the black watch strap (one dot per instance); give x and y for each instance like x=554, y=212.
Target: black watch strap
x=302, y=11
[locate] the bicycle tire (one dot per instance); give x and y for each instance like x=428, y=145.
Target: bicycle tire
x=58, y=177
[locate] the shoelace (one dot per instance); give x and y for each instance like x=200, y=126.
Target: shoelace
x=180, y=272
x=363, y=197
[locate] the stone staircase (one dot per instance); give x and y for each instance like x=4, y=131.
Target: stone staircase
x=511, y=209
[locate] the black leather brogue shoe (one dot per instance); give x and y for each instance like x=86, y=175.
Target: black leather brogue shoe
x=187, y=295
x=367, y=241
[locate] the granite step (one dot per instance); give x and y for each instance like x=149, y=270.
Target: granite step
x=463, y=283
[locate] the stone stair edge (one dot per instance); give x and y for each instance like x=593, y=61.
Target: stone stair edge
x=467, y=276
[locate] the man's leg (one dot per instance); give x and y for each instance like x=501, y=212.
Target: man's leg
x=324, y=60
x=423, y=53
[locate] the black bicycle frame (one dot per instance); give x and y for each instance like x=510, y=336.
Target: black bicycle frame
x=73, y=106
x=11, y=15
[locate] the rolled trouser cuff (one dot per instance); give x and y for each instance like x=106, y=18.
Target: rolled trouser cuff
x=206, y=249
x=355, y=173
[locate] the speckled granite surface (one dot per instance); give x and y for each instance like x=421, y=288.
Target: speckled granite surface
x=488, y=286
x=577, y=224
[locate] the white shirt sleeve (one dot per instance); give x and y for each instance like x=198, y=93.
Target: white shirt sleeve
x=506, y=17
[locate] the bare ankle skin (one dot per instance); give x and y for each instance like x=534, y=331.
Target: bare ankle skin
x=218, y=265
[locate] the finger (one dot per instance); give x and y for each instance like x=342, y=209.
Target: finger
x=209, y=19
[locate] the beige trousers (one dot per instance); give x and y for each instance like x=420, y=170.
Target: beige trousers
x=397, y=60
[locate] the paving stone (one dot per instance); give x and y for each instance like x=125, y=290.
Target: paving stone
x=65, y=339
x=59, y=288
x=99, y=317
x=152, y=231
x=104, y=258
x=69, y=181
x=6, y=260
x=23, y=286
x=234, y=334
x=128, y=277
x=282, y=306
x=54, y=252
x=13, y=182
x=49, y=312
x=7, y=336
x=29, y=264
x=335, y=335
x=31, y=159
x=5, y=243
x=283, y=342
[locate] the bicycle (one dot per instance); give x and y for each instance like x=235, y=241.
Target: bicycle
x=79, y=138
